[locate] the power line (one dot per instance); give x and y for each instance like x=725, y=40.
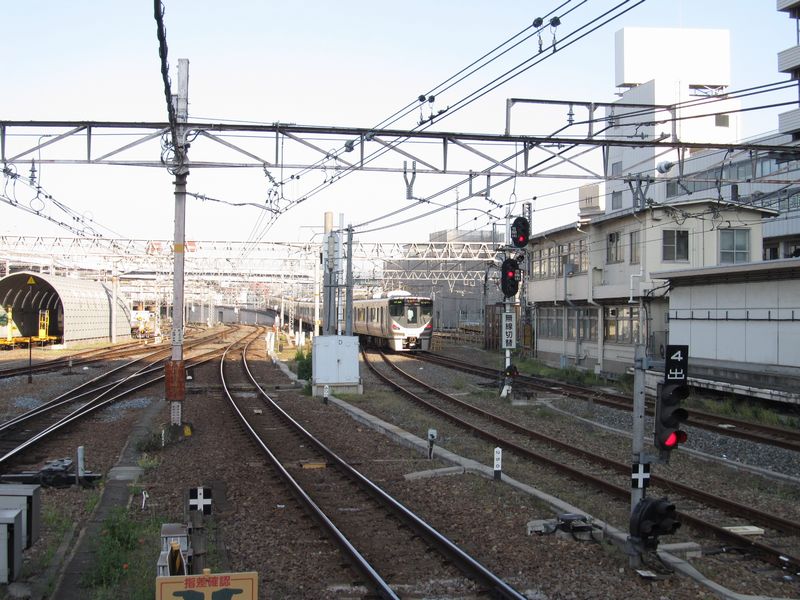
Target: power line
x=410, y=107
x=86, y=225
x=161, y=33
x=510, y=74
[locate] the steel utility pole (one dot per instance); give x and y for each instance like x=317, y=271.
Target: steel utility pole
x=175, y=372
x=348, y=330
x=330, y=321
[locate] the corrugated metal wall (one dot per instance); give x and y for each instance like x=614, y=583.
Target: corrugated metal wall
x=79, y=310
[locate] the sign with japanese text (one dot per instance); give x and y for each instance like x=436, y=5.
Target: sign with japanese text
x=508, y=335
x=238, y=586
x=676, y=366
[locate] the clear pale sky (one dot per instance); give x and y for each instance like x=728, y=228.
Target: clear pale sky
x=349, y=63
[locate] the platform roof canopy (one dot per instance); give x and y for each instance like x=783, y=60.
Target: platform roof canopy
x=86, y=305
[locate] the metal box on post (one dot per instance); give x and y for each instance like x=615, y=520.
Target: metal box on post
x=173, y=532
x=334, y=362
x=31, y=516
x=10, y=545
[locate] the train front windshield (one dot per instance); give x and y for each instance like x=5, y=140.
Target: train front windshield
x=411, y=312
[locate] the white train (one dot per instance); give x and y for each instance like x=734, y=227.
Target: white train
x=396, y=320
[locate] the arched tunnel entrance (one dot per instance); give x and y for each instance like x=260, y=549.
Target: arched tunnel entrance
x=46, y=308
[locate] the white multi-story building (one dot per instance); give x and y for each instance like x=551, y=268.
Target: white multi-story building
x=591, y=284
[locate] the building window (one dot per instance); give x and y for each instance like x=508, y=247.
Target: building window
x=584, y=322
x=734, y=246
x=675, y=245
x=634, y=241
x=563, y=258
x=621, y=324
x=616, y=200
x=771, y=252
x=614, y=248
x=583, y=257
x=766, y=166
x=536, y=264
x=616, y=168
x=552, y=262
x=549, y=323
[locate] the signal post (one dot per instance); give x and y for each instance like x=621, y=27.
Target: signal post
x=653, y=517
x=510, y=277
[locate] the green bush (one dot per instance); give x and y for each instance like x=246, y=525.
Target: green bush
x=303, y=360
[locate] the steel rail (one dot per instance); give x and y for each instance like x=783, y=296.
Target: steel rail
x=736, y=508
x=362, y=564
x=496, y=586
x=96, y=403
x=780, y=437
x=771, y=554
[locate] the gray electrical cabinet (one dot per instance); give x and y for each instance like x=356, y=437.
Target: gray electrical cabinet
x=10, y=545
x=334, y=364
x=25, y=497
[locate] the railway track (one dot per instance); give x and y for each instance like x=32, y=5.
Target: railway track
x=24, y=431
x=781, y=437
x=708, y=511
x=93, y=355
x=389, y=546
x=78, y=359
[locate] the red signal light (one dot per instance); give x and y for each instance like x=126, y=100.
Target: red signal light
x=509, y=281
x=670, y=415
x=520, y=232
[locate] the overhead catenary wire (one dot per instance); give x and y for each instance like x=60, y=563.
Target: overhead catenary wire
x=456, y=78
x=463, y=73
x=339, y=176
x=428, y=199
x=690, y=102
x=762, y=89
x=507, y=76
x=86, y=225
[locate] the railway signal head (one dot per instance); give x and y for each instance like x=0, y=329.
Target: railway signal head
x=670, y=415
x=509, y=277
x=520, y=232
x=651, y=518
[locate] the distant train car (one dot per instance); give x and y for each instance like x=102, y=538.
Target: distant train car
x=398, y=321
x=304, y=311
x=144, y=324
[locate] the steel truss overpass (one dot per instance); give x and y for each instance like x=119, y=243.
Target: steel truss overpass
x=232, y=271
x=484, y=160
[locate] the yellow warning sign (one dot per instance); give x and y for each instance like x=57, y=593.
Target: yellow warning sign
x=236, y=586
x=31, y=280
